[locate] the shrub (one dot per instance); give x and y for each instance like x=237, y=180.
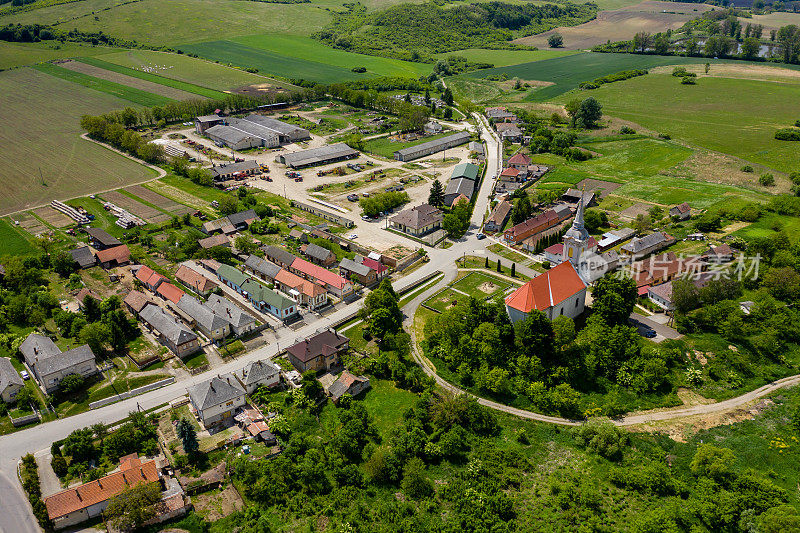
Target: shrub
x=767, y=180
x=359, y=69
x=788, y=134
x=688, y=80
x=627, y=130
x=601, y=437
x=664, y=136
x=747, y=168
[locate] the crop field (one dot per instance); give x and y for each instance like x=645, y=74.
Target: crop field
x=191, y=90
x=773, y=21
x=20, y=54
x=159, y=201
x=734, y=116
x=177, y=22
x=308, y=49
x=131, y=94
x=502, y=58
x=621, y=24
x=128, y=81
x=12, y=241
x=184, y=68
x=49, y=143
x=148, y=213
x=272, y=63
x=565, y=73
x=667, y=190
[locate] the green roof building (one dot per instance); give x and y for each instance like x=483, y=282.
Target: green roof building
x=260, y=296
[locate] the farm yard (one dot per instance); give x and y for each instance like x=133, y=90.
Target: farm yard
x=621, y=24
x=49, y=143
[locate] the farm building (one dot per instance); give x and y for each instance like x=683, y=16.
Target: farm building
x=317, y=156
x=170, y=292
x=215, y=240
x=114, y=257
x=614, y=237
x=278, y=255
x=681, y=212
x=251, y=131
x=148, y=277
x=239, y=321
x=100, y=239
x=457, y=188
x=327, y=215
x=203, y=123
x=236, y=139
x=348, y=383
x=574, y=196
x=83, y=256
x=287, y=133
x=477, y=148
x=432, y=147
x=417, y=221
x=230, y=170
x=135, y=301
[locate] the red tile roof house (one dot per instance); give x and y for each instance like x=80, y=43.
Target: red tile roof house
x=149, y=278
x=170, y=292
x=195, y=280
x=558, y=291
x=333, y=283
x=319, y=352
x=519, y=161
x=380, y=269
x=302, y=291
x=537, y=224
x=113, y=257
x=510, y=174
x=78, y=504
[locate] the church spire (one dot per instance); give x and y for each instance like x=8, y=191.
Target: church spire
x=579, y=213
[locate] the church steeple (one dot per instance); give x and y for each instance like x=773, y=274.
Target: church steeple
x=576, y=238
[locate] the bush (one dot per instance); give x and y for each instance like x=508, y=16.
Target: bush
x=688, y=80
x=627, y=130
x=767, y=180
x=359, y=69
x=602, y=437
x=747, y=168
x=788, y=134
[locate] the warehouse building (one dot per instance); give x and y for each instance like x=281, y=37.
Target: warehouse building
x=232, y=170
x=250, y=132
x=317, y=156
x=432, y=147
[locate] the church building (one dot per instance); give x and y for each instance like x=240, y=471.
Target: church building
x=562, y=289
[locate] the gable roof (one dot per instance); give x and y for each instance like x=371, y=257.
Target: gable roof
x=8, y=374
x=280, y=254
x=460, y=186
x=229, y=311
x=65, y=360
x=83, y=256
x=375, y=265
x=262, y=266
x=136, y=300
x=261, y=293
x=201, y=314
x=343, y=383
x=215, y=391
x=465, y=170
x=318, y=273
x=519, y=159
x=322, y=344
x=194, y=279
x=500, y=213
x=215, y=240
x=304, y=286
x=103, y=237
x=510, y=172
x=167, y=325
x=257, y=371
x=318, y=252
x=418, y=217
x=38, y=346
x=682, y=208
x=243, y=217
x=643, y=243
x=234, y=275
x=359, y=268
x=547, y=289
x=544, y=220
x=120, y=254
x=170, y=292
x=83, y=496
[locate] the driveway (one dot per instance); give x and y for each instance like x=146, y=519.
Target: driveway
x=663, y=331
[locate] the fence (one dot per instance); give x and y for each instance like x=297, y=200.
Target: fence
x=25, y=420
x=131, y=394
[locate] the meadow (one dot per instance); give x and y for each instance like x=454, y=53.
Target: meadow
x=502, y=58
x=384, y=146
x=47, y=140
x=131, y=94
x=14, y=55
x=161, y=80
x=186, y=69
x=13, y=241
x=734, y=116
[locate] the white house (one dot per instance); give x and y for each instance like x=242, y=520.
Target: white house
x=259, y=373
x=217, y=399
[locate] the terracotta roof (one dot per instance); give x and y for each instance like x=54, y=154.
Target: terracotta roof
x=309, y=288
x=510, y=172
x=84, y=292
x=120, y=254
x=683, y=208
x=318, y=273
x=195, y=280
x=519, y=159
x=540, y=222
x=136, y=300
x=257, y=427
x=83, y=496
x=170, y=292
x=500, y=212
x=547, y=289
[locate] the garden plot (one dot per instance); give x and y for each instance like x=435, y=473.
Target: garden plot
x=29, y=223
x=57, y=219
x=635, y=210
x=599, y=187
x=162, y=202
x=480, y=285
x=137, y=208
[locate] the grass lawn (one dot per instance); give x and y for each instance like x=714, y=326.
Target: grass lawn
x=196, y=360
x=385, y=147
x=444, y=299
x=14, y=55
x=768, y=223
x=14, y=241
x=480, y=285
x=386, y=403
x=511, y=255
x=308, y=49
x=503, y=58
x=50, y=142
x=161, y=80
x=131, y=94
x=734, y=116
x=472, y=261
x=419, y=290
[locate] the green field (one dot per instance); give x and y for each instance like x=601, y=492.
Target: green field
x=161, y=80
x=670, y=191
x=385, y=147
x=502, y=58
x=271, y=62
x=131, y=94
x=733, y=116
x=480, y=285
x=568, y=71
x=13, y=241
x=308, y=49
x=20, y=54
x=184, y=68
x=47, y=139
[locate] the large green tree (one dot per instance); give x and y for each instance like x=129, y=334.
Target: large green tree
x=614, y=298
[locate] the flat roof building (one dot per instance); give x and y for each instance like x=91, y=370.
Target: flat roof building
x=317, y=156
x=432, y=147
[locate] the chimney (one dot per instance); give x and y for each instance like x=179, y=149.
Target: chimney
x=78, y=494
x=99, y=484
x=36, y=350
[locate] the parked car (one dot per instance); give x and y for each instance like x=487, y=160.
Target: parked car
x=480, y=236
x=24, y=374
x=365, y=217
x=352, y=197
x=352, y=236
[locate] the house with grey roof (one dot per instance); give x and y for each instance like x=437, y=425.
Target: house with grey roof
x=261, y=268
x=279, y=256
x=49, y=365
x=101, y=239
x=212, y=326
x=228, y=170
x=217, y=399
x=83, y=256
x=258, y=373
x=417, y=221
x=170, y=331
x=10, y=382
x=319, y=255
x=348, y=383
x=240, y=321
x=642, y=246
x=243, y=219
x=357, y=271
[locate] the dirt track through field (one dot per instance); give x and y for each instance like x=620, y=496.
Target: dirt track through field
x=130, y=81
x=621, y=24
